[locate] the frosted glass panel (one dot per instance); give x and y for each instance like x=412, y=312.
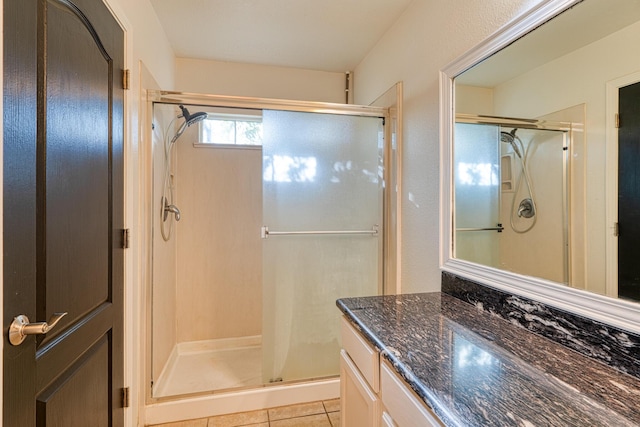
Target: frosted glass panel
x=321, y=172
x=477, y=192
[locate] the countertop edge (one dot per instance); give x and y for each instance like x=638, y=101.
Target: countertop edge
x=388, y=353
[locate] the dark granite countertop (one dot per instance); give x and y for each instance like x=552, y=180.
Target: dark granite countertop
x=476, y=369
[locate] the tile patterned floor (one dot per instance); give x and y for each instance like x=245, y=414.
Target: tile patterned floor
x=314, y=414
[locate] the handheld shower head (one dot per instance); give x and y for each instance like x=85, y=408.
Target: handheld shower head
x=189, y=119
x=510, y=138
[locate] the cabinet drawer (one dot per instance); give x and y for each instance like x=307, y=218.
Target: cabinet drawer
x=366, y=358
x=403, y=407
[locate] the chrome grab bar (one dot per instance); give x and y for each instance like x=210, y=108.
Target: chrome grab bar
x=265, y=232
x=498, y=228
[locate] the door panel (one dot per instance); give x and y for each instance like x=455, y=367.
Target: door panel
x=77, y=175
x=63, y=217
x=477, y=175
x=19, y=233
x=321, y=172
x=629, y=192
x=80, y=397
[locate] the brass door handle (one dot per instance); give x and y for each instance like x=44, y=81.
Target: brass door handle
x=20, y=327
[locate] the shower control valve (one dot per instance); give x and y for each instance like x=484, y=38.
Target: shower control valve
x=526, y=209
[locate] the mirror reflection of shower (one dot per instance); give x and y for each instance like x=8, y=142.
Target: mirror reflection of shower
x=526, y=208
x=168, y=207
x=500, y=165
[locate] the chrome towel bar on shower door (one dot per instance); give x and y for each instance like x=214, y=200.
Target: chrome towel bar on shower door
x=499, y=229
x=265, y=232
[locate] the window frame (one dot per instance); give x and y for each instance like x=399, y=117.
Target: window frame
x=257, y=118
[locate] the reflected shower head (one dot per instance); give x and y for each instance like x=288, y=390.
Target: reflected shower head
x=189, y=119
x=510, y=138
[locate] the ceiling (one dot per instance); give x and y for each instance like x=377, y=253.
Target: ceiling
x=579, y=26
x=326, y=35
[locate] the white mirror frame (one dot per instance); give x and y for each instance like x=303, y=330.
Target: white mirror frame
x=612, y=311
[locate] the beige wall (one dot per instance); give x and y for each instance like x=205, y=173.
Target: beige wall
x=262, y=81
x=474, y=100
x=146, y=41
x=219, y=191
x=429, y=35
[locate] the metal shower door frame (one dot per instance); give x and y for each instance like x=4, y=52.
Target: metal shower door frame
x=207, y=100
x=389, y=228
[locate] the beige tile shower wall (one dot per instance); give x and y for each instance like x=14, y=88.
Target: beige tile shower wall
x=219, y=244
x=164, y=256
x=540, y=251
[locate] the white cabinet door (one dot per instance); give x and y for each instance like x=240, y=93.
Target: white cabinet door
x=359, y=404
x=387, y=421
x=404, y=408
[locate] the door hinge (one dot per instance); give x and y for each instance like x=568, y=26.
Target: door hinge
x=126, y=79
x=125, y=397
x=126, y=238
x=616, y=229
x=617, y=120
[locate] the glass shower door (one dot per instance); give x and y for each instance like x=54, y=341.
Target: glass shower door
x=322, y=209
x=477, y=183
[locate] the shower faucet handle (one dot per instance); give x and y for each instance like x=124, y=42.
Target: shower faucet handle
x=170, y=209
x=526, y=209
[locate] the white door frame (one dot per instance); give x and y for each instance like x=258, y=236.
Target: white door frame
x=131, y=193
x=611, y=179
x=131, y=220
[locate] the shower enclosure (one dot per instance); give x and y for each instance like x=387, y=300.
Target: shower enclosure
x=272, y=230
x=511, y=190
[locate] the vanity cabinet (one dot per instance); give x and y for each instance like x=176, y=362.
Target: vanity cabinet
x=359, y=380
x=371, y=393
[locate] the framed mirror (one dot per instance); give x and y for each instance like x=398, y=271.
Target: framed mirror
x=535, y=200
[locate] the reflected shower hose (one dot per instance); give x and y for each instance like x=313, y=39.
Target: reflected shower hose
x=527, y=178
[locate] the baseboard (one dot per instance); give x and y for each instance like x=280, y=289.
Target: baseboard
x=241, y=401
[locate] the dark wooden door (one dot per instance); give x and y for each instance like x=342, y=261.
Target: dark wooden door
x=629, y=192
x=63, y=212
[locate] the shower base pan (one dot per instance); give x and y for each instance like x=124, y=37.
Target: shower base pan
x=202, y=366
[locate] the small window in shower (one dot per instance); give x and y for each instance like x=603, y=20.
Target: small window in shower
x=222, y=129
